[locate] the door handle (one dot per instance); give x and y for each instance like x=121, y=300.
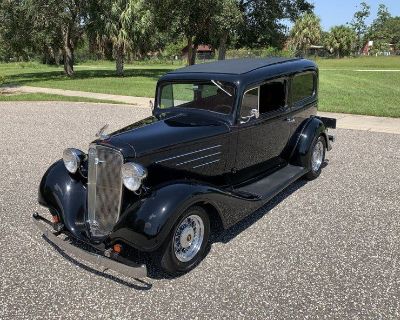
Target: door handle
x=290, y=120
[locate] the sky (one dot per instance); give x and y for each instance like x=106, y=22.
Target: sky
x=336, y=12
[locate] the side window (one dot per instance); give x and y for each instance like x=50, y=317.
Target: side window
x=249, y=102
x=167, y=97
x=302, y=86
x=184, y=93
x=272, y=96
x=209, y=91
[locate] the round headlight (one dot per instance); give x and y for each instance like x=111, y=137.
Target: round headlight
x=72, y=160
x=132, y=175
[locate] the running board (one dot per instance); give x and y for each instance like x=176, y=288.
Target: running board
x=271, y=185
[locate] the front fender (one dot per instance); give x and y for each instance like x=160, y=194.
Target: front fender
x=65, y=194
x=312, y=128
x=147, y=223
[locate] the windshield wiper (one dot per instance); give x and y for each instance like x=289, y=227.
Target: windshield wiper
x=220, y=87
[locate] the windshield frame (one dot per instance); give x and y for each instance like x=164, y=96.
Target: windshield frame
x=163, y=83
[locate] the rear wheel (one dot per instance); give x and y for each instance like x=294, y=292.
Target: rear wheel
x=187, y=242
x=316, y=158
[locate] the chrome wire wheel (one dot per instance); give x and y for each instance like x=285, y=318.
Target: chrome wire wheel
x=317, y=156
x=188, y=238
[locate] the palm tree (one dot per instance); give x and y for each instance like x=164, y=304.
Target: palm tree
x=341, y=40
x=119, y=23
x=305, y=32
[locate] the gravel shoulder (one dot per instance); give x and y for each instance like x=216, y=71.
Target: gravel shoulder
x=323, y=249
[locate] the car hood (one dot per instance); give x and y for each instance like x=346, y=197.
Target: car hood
x=154, y=134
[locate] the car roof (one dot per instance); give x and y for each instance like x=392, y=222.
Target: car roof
x=233, y=66
x=242, y=72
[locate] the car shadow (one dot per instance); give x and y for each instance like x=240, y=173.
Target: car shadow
x=224, y=236
x=227, y=235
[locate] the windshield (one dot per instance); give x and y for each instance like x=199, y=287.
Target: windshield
x=210, y=95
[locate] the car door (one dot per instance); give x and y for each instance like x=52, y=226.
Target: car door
x=263, y=129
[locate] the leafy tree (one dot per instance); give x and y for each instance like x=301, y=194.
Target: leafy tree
x=383, y=16
x=341, y=40
x=393, y=26
x=385, y=30
x=224, y=23
x=305, y=32
x=263, y=25
x=186, y=18
x=59, y=24
x=95, y=30
x=16, y=38
x=359, y=25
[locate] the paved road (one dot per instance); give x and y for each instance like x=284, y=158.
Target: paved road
x=345, y=121
x=323, y=249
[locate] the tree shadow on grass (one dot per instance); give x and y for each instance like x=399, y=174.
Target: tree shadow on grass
x=58, y=75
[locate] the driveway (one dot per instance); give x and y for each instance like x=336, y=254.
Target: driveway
x=323, y=249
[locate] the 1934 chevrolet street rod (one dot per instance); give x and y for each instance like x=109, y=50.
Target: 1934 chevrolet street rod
x=223, y=139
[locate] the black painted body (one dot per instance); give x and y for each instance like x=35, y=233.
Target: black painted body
x=168, y=144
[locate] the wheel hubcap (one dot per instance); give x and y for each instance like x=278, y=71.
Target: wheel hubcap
x=188, y=238
x=317, y=156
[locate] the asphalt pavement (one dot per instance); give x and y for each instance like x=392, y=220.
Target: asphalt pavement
x=324, y=249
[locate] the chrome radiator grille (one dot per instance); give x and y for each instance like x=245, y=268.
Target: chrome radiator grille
x=104, y=189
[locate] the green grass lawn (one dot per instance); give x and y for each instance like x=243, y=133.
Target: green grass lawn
x=344, y=87
x=139, y=80
x=50, y=97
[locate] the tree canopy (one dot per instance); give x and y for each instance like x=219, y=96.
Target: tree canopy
x=341, y=40
x=359, y=24
x=305, y=32
x=127, y=29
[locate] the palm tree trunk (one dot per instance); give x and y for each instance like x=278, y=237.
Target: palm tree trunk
x=119, y=60
x=222, y=46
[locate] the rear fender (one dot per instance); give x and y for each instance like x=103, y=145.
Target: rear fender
x=312, y=127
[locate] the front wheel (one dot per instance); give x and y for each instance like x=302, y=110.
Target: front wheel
x=187, y=242
x=316, y=158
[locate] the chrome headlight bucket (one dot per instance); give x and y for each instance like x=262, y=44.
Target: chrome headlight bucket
x=132, y=175
x=72, y=159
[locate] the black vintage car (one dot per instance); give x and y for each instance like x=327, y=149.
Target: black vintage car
x=223, y=139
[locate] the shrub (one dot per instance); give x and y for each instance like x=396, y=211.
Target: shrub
x=258, y=53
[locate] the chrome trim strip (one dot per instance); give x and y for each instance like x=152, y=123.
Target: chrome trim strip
x=186, y=154
x=188, y=161
x=207, y=163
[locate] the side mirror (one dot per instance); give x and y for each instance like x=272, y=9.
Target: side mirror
x=254, y=113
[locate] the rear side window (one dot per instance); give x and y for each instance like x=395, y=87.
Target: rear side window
x=272, y=96
x=303, y=86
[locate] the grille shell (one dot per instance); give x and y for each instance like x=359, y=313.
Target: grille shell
x=104, y=189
